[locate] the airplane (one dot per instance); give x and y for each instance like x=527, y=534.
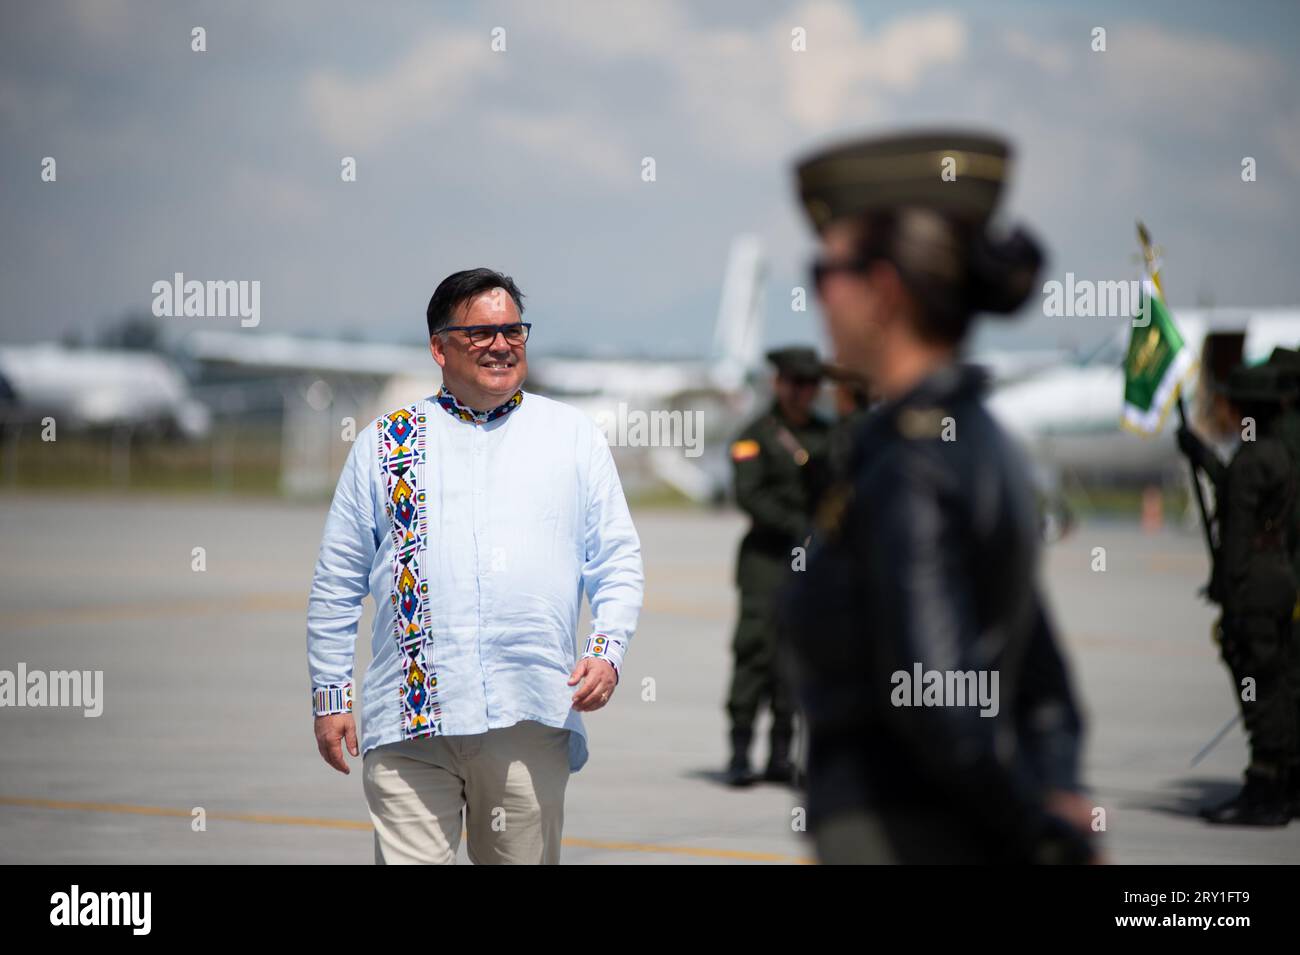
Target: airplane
x=96, y=388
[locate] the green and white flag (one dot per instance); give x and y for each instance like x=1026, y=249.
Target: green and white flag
x=1157, y=363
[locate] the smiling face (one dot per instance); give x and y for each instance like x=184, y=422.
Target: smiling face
x=481, y=377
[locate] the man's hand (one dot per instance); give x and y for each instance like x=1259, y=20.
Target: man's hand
x=598, y=682
x=1077, y=810
x=1189, y=443
x=331, y=731
x=1074, y=808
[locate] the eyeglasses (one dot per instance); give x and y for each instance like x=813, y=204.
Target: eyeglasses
x=821, y=268
x=481, y=336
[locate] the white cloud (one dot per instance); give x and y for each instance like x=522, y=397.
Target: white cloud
x=100, y=20
x=254, y=192
x=597, y=29
x=1049, y=57
x=571, y=139
x=742, y=93
x=424, y=86
x=1285, y=135
x=1183, y=78
x=846, y=71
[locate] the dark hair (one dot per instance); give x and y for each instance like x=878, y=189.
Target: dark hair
x=953, y=267
x=460, y=287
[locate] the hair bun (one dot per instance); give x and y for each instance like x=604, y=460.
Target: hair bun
x=1003, y=270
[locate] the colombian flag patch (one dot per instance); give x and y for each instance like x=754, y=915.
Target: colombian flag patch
x=744, y=450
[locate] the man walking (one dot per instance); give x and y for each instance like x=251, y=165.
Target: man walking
x=475, y=519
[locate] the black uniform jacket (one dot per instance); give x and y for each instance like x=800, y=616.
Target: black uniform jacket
x=926, y=555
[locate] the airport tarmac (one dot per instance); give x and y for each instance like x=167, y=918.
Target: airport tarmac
x=206, y=700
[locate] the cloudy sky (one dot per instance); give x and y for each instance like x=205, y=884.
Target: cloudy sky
x=226, y=164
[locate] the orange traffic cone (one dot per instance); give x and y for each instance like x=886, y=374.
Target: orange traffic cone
x=1153, y=509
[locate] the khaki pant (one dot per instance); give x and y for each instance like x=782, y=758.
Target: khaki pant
x=508, y=782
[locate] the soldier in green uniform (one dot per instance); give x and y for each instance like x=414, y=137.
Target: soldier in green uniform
x=1252, y=581
x=779, y=462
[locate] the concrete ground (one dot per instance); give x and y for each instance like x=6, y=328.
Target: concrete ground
x=206, y=703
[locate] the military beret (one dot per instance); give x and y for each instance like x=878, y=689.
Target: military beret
x=796, y=362
x=888, y=172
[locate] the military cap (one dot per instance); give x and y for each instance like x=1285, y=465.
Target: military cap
x=1260, y=383
x=796, y=362
x=887, y=172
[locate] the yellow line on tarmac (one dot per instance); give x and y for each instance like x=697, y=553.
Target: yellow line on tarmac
x=355, y=824
x=684, y=850
x=169, y=811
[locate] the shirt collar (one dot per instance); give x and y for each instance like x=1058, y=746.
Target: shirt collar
x=458, y=410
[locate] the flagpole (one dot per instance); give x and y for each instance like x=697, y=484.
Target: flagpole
x=1153, y=270
x=1214, y=742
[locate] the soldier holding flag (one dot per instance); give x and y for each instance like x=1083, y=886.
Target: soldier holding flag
x=1250, y=541
x=1253, y=582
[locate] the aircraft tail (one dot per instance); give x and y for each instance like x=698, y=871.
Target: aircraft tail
x=738, y=335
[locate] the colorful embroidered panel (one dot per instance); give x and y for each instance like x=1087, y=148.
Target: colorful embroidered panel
x=401, y=455
x=333, y=698
x=597, y=645
x=457, y=410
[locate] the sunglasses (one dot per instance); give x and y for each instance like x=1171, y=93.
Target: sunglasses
x=820, y=268
x=480, y=336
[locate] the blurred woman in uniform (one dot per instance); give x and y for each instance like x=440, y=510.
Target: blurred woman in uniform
x=942, y=724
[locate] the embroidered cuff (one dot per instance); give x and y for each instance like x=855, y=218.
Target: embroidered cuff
x=332, y=698
x=600, y=646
